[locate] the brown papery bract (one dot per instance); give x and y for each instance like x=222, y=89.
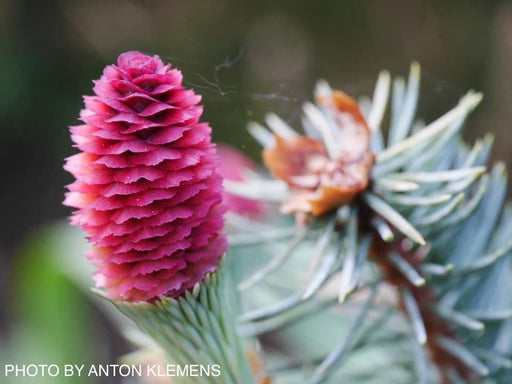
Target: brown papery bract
x=318, y=182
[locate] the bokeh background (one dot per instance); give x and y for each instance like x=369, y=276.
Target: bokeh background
x=245, y=58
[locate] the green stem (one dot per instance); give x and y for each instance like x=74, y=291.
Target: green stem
x=197, y=328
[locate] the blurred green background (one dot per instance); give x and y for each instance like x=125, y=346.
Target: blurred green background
x=245, y=58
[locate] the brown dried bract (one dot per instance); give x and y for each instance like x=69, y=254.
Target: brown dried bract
x=320, y=183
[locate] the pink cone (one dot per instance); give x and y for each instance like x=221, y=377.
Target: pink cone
x=147, y=189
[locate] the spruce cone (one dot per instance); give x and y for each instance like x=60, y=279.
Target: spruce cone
x=146, y=188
